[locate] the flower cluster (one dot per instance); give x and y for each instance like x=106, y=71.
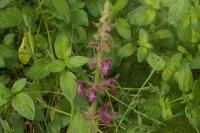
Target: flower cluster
x=102, y=43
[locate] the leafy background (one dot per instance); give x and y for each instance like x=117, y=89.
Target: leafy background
x=43, y=50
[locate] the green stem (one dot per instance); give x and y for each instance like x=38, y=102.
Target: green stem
x=133, y=100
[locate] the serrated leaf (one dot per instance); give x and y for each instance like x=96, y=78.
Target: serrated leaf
x=62, y=10
x=6, y=52
x=24, y=105
x=123, y=28
x=156, y=62
x=141, y=16
x=127, y=50
x=68, y=84
x=184, y=78
x=10, y=17
x=62, y=46
x=79, y=17
x=55, y=66
x=77, y=61
x=119, y=5
x=178, y=9
x=195, y=64
x=19, y=85
x=79, y=124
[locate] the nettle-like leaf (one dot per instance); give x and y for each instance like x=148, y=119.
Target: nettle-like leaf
x=79, y=17
x=123, y=28
x=127, y=50
x=43, y=67
x=142, y=16
x=62, y=10
x=24, y=105
x=79, y=124
x=10, y=17
x=193, y=114
x=154, y=3
x=62, y=46
x=172, y=64
x=77, y=61
x=119, y=5
x=178, y=9
x=19, y=85
x=68, y=85
x=184, y=78
x=156, y=62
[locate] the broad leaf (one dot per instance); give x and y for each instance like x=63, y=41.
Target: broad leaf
x=119, y=5
x=142, y=53
x=79, y=124
x=142, y=16
x=77, y=61
x=68, y=84
x=24, y=105
x=5, y=93
x=155, y=61
x=62, y=46
x=94, y=7
x=178, y=9
x=62, y=10
x=19, y=85
x=127, y=50
x=123, y=28
x=2, y=62
x=184, y=78
x=79, y=17
x=10, y=17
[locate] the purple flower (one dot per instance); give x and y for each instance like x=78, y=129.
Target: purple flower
x=105, y=115
x=105, y=66
x=81, y=86
x=91, y=96
x=111, y=82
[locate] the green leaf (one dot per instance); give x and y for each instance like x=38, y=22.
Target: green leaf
x=195, y=64
x=154, y=3
x=143, y=37
x=24, y=105
x=178, y=9
x=184, y=78
x=4, y=3
x=5, y=93
x=193, y=115
x=141, y=16
x=94, y=7
x=8, y=39
x=2, y=62
x=62, y=46
x=62, y=10
x=142, y=53
x=119, y=5
x=10, y=17
x=41, y=42
x=68, y=84
x=79, y=124
x=123, y=28
x=77, y=61
x=19, y=85
x=155, y=61
x=79, y=17
x=82, y=34
x=28, y=15
x=163, y=34
x=6, y=52
x=43, y=67
x=127, y=50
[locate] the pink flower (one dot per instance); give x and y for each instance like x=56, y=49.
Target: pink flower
x=111, y=82
x=105, y=66
x=91, y=96
x=105, y=115
x=81, y=86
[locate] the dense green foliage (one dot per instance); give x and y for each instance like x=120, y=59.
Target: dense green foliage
x=44, y=51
